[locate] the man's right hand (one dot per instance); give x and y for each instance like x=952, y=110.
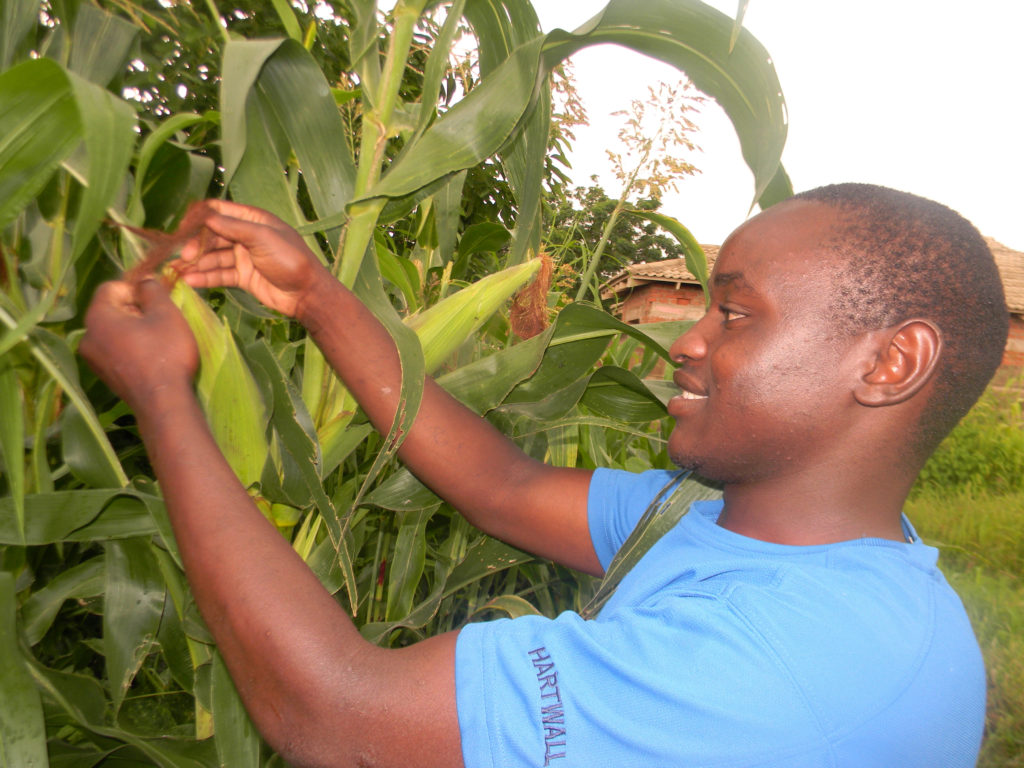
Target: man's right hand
x=245, y=247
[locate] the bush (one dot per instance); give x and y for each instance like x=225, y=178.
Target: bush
x=985, y=450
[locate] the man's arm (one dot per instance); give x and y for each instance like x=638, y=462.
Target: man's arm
x=464, y=459
x=318, y=692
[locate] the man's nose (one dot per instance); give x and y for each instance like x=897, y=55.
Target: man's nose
x=692, y=345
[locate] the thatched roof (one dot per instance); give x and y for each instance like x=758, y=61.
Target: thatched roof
x=1010, y=263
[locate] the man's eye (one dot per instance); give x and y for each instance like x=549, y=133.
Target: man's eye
x=728, y=315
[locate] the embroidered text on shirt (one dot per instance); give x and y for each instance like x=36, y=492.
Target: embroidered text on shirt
x=552, y=715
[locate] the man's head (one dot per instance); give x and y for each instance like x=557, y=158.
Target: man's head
x=901, y=257
x=840, y=298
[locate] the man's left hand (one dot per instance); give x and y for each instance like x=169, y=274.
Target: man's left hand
x=137, y=341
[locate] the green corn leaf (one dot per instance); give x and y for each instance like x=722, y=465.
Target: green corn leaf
x=12, y=440
x=437, y=66
x=618, y=394
x=684, y=33
x=81, y=698
x=53, y=353
x=100, y=44
x=485, y=558
x=483, y=384
x=401, y=273
x=554, y=403
x=370, y=289
x=338, y=439
x=22, y=731
x=81, y=452
x=402, y=492
x=241, y=68
x=299, y=94
x=39, y=127
x=289, y=104
x=238, y=744
x=133, y=603
x=295, y=428
x=695, y=38
x=486, y=236
x=378, y=632
x=83, y=581
x=780, y=188
x=17, y=17
x=152, y=143
x=661, y=335
x=80, y=515
x=501, y=26
x=696, y=259
x=511, y=605
x=258, y=179
x=463, y=138
x=581, y=336
x=406, y=565
x=563, y=445
x=287, y=15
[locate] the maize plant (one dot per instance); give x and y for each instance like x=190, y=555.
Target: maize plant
x=406, y=168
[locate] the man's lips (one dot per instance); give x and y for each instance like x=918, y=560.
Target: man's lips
x=690, y=389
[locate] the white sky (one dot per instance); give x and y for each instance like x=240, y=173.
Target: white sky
x=921, y=95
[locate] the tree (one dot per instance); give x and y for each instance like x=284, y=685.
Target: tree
x=358, y=131
x=656, y=131
x=578, y=221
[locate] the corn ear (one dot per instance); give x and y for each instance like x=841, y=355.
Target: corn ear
x=227, y=391
x=441, y=329
x=444, y=327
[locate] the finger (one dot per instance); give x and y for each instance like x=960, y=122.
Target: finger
x=219, y=259
x=203, y=243
x=111, y=299
x=246, y=213
x=153, y=298
x=213, y=278
x=211, y=270
x=232, y=230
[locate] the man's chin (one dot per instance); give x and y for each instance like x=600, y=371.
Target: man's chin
x=705, y=470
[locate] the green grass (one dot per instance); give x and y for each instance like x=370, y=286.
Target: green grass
x=981, y=537
x=969, y=502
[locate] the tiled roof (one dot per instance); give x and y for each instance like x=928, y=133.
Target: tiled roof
x=1009, y=262
x=667, y=271
x=1011, y=269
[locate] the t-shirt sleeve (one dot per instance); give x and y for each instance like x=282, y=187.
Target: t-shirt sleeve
x=643, y=689
x=617, y=499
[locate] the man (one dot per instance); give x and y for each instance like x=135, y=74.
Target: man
x=798, y=622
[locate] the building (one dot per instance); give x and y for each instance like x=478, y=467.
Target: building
x=665, y=290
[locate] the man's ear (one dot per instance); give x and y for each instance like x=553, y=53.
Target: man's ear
x=905, y=359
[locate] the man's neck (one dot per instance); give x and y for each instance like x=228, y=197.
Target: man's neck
x=807, y=510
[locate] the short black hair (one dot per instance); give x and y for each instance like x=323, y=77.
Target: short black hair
x=904, y=257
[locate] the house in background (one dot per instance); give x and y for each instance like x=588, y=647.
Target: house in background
x=665, y=290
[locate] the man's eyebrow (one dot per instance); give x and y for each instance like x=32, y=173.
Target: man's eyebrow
x=734, y=280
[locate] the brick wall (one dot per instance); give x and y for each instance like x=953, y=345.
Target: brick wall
x=657, y=302
x=1014, y=355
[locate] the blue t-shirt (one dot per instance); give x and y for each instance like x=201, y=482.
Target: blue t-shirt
x=719, y=651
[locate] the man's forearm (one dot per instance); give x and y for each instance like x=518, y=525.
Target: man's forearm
x=273, y=622
x=460, y=455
